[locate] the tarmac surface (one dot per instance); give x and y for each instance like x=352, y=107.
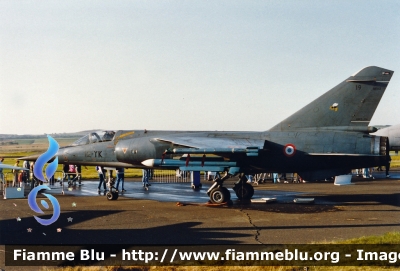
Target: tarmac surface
x=140, y=217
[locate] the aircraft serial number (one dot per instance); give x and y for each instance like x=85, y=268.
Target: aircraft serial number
x=93, y=153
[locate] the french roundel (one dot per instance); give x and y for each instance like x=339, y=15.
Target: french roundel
x=289, y=150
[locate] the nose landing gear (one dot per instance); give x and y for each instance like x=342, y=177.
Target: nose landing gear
x=112, y=193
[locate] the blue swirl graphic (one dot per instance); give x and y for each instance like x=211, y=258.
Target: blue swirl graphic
x=32, y=203
x=42, y=159
x=44, y=203
x=51, y=168
x=38, y=172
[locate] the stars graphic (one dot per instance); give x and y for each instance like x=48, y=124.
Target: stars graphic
x=69, y=219
x=29, y=229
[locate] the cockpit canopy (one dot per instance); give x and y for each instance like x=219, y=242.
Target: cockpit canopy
x=94, y=137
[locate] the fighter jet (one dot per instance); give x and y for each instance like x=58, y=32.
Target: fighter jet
x=328, y=137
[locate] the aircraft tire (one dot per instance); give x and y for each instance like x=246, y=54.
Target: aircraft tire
x=244, y=191
x=109, y=196
x=227, y=193
x=114, y=195
x=218, y=195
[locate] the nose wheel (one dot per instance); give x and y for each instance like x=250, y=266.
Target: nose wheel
x=112, y=195
x=220, y=195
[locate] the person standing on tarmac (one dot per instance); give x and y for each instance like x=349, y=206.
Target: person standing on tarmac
x=1, y=171
x=25, y=173
x=65, y=172
x=15, y=172
x=120, y=177
x=78, y=177
x=145, y=178
x=275, y=177
x=31, y=175
x=100, y=171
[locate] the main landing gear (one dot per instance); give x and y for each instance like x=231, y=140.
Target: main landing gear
x=220, y=194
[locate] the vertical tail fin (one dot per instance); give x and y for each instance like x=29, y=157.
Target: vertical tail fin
x=349, y=105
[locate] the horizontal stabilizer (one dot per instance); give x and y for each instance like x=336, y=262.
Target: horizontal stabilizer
x=362, y=129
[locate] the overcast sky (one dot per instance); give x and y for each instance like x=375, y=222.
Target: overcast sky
x=67, y=66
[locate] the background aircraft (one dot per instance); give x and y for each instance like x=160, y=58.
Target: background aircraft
x=393, y=133
x=328, y=137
